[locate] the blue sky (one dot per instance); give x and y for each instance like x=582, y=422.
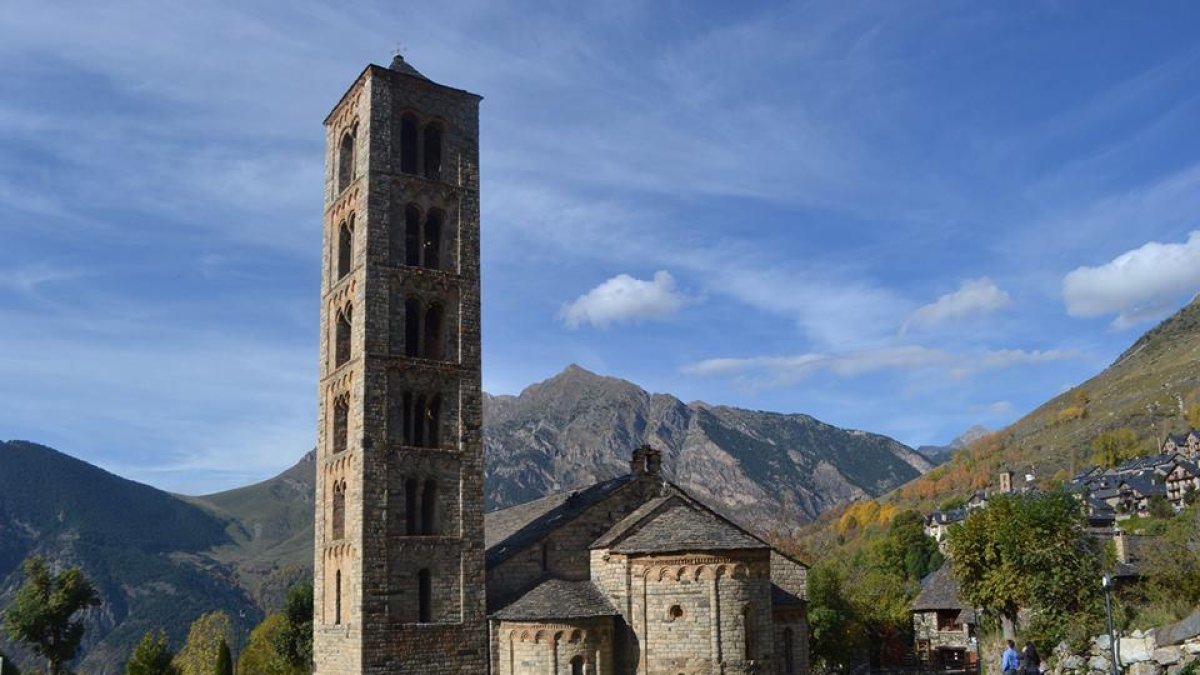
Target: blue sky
x=901, y=217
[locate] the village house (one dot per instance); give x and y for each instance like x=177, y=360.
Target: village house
x=943, y=625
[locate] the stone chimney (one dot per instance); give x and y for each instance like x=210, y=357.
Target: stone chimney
x=1006, y=486
x=646, y=461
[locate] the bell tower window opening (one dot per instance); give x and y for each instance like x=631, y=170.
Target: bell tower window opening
x=577, y=665
x=345, y=247
x=341, y=424
x=433, y=151
x=339, y=510
x=433, y=420
x=424, y=597
x=412, y=327
x=433, y=332
x=410, y=507
x=342, y=337
x=433, y=239
x=408, y=144
x=345, y=165
x=429, y=508
x=412, y=236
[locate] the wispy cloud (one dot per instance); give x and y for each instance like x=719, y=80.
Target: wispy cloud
x=973, y=298
x=786, y=370
x=1138, y=286
x=622, y=299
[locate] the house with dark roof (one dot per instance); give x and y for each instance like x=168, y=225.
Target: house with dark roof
x=943, y=625
x=636, y=575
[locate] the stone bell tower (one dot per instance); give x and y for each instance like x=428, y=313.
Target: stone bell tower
x=399, y=561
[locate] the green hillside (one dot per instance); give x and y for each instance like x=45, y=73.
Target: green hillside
x=142, y=548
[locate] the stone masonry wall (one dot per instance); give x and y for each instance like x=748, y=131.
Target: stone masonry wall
x=1164, y=651
x=534, y=648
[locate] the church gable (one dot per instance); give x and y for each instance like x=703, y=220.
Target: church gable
x=675, y=523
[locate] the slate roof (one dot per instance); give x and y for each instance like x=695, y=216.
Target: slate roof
x=676, y=523
x=510, y=530
x=781, y=598
x=558, y=599
x=939, y=590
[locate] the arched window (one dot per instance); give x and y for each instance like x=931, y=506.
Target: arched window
x=433, y=421
x=429, y=507
x=341, y=424
x=412, y=236
x=412, y=327
x=433, y=332
x=345, y=165
x=419, y=422
x=342, y=337
x=577, y=665
x=433, y=152
x=345, y=248
x=747, y=633
x=545, y=556
x=410, y=506
x=337, y=598
x=408, y=144
x=339, y=510
x=433, y=239
x=789, y=658
x=424, y=597
x=410, y=419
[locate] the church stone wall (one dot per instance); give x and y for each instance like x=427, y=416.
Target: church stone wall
x=534, y=648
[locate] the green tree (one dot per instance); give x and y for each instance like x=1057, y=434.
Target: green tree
x=224, y=660
x=42, y=610
x=1111, y=448
x=202, y=650
x=294, y=641
x=1160, y=507
x=1028, y=552
x=152, y=656
x=835, y=633
x=261, y=655
x=1171, y=569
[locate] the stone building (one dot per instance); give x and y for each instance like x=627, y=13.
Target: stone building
x=631, y=575
x=943, y=625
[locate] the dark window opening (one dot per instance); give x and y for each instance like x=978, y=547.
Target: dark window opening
x=339, y=510
x=433, y=152
x=675, y=612
x=789, y=658
x=345, y=251
x=341, y=424
x=337, y=599
x=545, y=556
x=409, y=419
x=577, y=665
x=433, y=240
x=429, y=507
x=433, y=416
x=408, y=144
x=747, y=633
x=419, y=415
x=342, y=338
x=424, y=597
x=346, y=161
x=412, y=327
x=412, y=236
x=433, y=332
x=410, y=506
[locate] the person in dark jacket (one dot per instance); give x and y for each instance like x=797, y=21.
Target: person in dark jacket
x=1031, y=663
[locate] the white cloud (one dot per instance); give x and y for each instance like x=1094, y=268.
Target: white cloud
x=1138, y=285
x=784, y=370
x=1000, y=408
x=973, y=297
x=624, y=298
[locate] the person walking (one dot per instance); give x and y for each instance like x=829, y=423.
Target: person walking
x=1009, y=660
x=1031, y=663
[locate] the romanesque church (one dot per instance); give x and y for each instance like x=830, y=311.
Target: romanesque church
x=631, y=575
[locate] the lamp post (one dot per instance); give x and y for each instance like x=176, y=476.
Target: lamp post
x=1106, y=583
